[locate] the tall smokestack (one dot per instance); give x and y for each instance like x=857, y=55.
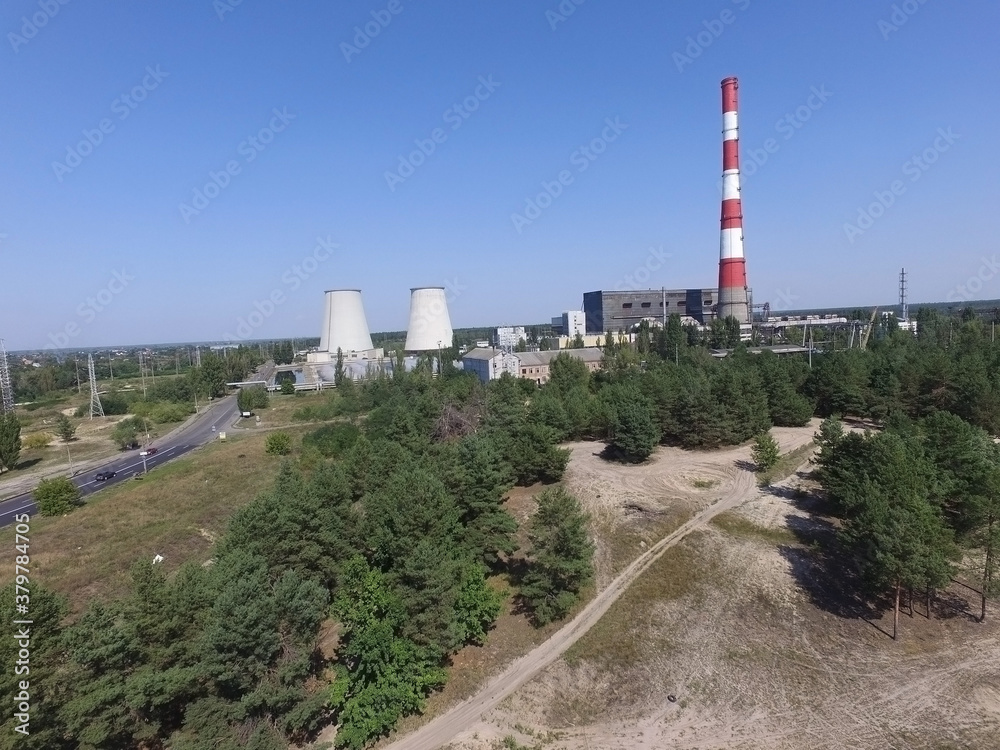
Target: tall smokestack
x=732, y=264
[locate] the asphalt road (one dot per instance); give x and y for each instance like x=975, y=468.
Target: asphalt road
x=220, y=415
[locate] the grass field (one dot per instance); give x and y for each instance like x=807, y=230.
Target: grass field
x=176, y=511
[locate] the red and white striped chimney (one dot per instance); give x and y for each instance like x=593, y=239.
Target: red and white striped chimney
x=732, y=264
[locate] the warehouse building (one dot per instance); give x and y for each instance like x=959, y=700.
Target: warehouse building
x=621, y=311
x=490, y=364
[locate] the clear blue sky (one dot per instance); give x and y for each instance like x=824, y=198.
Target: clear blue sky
x=66, y=230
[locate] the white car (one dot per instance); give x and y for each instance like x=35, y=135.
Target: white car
x=147, y=451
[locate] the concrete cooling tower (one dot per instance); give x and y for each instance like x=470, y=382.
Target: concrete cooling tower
x=430, y=324
x=344, y=324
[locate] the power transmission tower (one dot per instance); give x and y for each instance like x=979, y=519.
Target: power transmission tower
x=6, y=391
x=95, y=399
x=904, y=307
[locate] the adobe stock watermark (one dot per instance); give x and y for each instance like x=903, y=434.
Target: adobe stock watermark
x=291, y=279
x=562, y=12
x=122, y=106
x=89, y=309
x=656, y=258
x=901, y=13
x=783, y=300
x=752, y=159
x=581, y=158
x=914, y=168
x=974, y=284
x=250, y=148
x=47, y=10
x=363, y=35
x=224, y=7
x=714, y=28
x=455, y=116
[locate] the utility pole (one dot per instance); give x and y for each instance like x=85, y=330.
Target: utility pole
x=69, y=458
x=78, y=388
x=111, y=368
x=142, y=374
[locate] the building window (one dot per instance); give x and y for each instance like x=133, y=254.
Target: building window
x=681, y=303
x=647, y=304
x=626, y=306
x=708, y=303
x=661, y=304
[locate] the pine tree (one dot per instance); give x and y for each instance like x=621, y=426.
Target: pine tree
x=560, y=562
x=10, y=441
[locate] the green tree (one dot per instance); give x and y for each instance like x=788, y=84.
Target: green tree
x=632, y=431
x=10, y=441
x=128, y=431
x=43, y=670
x=338, y=372
x=278, y=444
x=577, y=342
x=64, y=428
x=56, y=496
x=895, y=534
x=560, y=561
x=765, y=451
x=288, y=388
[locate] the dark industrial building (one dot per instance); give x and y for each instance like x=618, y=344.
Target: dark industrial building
x=620, y=311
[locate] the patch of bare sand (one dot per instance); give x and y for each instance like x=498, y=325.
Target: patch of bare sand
x=631, y=507
x=754, y=663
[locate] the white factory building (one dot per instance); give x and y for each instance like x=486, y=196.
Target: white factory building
x=491, y=364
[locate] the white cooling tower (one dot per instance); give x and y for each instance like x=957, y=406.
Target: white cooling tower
x=344, y=324
x=430, y=324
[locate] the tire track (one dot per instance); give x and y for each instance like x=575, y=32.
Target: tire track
x=464, y=715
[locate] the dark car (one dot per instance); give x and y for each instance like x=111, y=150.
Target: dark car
x=102, y=475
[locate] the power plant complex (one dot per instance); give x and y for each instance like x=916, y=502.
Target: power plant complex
x=345, y=326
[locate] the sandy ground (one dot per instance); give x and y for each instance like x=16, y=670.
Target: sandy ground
x=610, y=493
x=752, y=660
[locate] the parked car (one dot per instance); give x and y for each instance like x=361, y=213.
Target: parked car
x=102, y=475
x=148, y=451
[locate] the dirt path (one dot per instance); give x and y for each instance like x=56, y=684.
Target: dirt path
x=456, y=720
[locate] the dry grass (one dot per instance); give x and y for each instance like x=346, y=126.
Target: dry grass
x=787, y=464
x=176, y=511
x=739, y=525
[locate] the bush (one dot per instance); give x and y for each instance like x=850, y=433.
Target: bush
x=164, y=413
x=278, y=444
x=37, y=440
x=765, y=451
x=56, y=496
x=288, y=388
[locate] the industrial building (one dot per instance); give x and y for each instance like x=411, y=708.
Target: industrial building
x=622, y=311
x=429, y=328
x=490, y=364
x=345, y=328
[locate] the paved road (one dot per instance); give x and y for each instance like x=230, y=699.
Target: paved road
x=198, y=432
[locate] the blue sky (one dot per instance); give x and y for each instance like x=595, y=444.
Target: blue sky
x=97, y=248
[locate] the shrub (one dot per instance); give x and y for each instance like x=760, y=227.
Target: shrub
x=56, y=496
x=765, y=451
x=278, y=444
x=37, y=440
